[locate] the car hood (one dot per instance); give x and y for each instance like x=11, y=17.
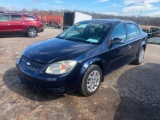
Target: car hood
x=55, y=49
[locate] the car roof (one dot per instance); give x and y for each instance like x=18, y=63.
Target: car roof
x=110, y=21
x=17, y=13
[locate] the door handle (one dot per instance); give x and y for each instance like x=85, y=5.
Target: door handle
x=129, y=47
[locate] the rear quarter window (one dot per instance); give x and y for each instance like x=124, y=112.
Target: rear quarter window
x=29, y=17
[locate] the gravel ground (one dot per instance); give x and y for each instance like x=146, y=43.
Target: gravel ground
x=130, y=93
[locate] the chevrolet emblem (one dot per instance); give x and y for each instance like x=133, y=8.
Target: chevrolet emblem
x=28, y=63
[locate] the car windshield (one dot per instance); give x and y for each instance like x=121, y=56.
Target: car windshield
x=88, y=32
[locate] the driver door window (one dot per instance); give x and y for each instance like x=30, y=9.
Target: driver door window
x=119, y=32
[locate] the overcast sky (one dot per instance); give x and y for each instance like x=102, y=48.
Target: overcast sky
x=116, y=7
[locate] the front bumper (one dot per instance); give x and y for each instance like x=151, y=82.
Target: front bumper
x=54, y=84
x=40, y=30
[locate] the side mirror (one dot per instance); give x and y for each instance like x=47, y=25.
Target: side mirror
x=117, y=41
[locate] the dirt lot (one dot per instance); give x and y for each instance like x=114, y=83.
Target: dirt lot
x=130, y=93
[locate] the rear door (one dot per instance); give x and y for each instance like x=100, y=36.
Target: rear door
x=32, y=20
x=17, y=23
x=134, y=39
x=4, y=23
x=118, y=53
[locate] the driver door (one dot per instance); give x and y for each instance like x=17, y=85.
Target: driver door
x=118, y=52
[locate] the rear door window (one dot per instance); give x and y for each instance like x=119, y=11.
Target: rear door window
x=29, y=17
x=132, y=30
x=16, y=17
x=4, y=18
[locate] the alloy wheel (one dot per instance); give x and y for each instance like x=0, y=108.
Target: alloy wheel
x=93, y=81
x=141, y=55
x=32, y=32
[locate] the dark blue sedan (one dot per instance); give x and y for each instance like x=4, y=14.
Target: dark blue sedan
x=81, y=56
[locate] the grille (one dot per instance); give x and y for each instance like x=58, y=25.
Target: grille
x=33, y=66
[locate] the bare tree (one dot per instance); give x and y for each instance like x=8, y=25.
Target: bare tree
x=143, y=20
x=24, y=10
x=2, y=9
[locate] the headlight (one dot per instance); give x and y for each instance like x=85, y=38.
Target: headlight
x=61, y=67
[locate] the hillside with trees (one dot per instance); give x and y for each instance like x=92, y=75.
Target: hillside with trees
x=142, y=20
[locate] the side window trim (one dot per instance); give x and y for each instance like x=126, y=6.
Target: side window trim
x=138, y=29
x=125, y=31
x=9, y=17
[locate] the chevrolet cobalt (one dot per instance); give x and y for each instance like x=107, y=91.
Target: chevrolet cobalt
x=80, y=57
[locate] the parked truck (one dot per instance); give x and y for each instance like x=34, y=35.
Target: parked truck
x=71, y=18
x=51, y=20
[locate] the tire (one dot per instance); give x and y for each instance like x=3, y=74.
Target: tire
x=140, y=57
x=31, y=32
x=89, y=84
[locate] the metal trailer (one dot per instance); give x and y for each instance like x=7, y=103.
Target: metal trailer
x=153, y=34
x=51, y=20
x=152, y=31
x=71, y=18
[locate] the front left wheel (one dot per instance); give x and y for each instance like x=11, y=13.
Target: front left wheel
x=32, y=32
x=91, y=80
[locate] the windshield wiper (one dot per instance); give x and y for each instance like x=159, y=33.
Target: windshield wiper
x=68, y=38
x=60, y=37
x=78, y=40
x=72, y=39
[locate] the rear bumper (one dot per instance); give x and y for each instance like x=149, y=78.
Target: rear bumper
x=40, y=30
